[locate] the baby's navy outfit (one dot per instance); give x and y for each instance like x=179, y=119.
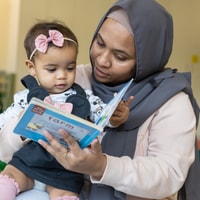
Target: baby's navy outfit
x=34, y=161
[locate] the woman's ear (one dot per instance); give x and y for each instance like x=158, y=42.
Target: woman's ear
x=31, y=67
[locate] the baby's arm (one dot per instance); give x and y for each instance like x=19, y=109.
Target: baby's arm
x=121, y=113
x=14, y=109
x=119, y=116
x=10, y=142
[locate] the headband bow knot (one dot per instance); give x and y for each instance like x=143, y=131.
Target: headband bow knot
x=42, y=41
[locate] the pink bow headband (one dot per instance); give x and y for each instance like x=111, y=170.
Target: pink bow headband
x=42, y=41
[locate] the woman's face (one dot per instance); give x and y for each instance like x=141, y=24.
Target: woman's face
x=113, y=53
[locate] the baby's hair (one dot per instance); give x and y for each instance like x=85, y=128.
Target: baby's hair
x=43, y=27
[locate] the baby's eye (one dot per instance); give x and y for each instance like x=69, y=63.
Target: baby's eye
x=51, y=69
x=71, y=68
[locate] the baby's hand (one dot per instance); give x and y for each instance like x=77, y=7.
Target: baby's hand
x=121, y=113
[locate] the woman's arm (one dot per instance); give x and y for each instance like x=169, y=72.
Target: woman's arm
x=157, y=174
x=161, y=170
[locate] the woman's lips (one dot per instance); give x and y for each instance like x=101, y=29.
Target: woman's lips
x=99, y=73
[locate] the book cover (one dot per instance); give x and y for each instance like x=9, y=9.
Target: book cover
x=40, y=116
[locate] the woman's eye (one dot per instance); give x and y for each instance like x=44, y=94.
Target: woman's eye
x=100, y=43
x=120, y=57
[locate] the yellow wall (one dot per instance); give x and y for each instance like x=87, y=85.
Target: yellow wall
x=82, y=16
x=186, y=47
x=4, y=24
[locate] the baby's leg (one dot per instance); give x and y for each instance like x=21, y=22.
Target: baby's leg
x=66, y=198
x=8, y=187
x=12, y=182
x=58, y=194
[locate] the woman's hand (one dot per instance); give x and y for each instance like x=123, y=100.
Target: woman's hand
x=89, y=160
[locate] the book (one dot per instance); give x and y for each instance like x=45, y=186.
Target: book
x=40, y=116
x=111, y=106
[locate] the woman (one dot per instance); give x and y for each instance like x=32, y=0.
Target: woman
x=150, y=155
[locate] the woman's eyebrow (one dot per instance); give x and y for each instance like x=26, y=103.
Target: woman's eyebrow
x=116, y=50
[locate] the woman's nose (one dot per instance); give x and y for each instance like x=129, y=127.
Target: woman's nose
x=104, y=59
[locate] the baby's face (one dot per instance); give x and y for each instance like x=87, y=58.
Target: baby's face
x=56, y=69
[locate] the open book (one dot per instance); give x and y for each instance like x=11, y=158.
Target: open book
x=40, y=116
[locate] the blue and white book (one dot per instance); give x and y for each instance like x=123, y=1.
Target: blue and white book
x=108, y=110
x=40, y=116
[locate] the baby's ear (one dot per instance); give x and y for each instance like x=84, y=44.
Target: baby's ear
x=31, y=67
